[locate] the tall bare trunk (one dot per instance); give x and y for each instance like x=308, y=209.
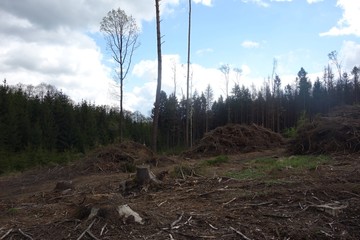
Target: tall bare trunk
x=157, y=98
x=187, y=82
x=121, y=103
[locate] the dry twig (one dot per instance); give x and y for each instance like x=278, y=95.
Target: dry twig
x=87, y=230
x=7, y=233
x=172, y=226
x=240, y=233
x=24, y=234
x=102, y=229
x=224, y=204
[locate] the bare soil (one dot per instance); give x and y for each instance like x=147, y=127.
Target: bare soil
x=323, y=203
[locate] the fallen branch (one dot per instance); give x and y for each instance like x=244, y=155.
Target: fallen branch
x=161, y=203
x=7, y=233
x=257, y=204
x=92, y=235
x=215, y=228
x=102, y=229
x=87, y=230
x=172, y=225
x=240, y=233
x=24, y=234
x=354, y=194
x=331, y=208
x=224, y=204
x=188, y=221
x=327, y=234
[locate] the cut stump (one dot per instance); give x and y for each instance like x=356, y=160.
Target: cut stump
x=145, y=176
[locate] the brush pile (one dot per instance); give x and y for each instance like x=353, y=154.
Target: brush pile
x=235, y=138
x=338, y=132
x=121, y=157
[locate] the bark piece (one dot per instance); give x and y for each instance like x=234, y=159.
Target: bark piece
x=127, y=213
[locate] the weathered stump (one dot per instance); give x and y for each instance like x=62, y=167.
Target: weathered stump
x=145, y=176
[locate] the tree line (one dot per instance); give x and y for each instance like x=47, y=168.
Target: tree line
x=39, y=121
x=272, y=106
x=42, y=118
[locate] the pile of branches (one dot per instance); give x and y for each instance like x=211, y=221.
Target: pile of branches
x=235, y=138
x=121, y=157
x=338, y=132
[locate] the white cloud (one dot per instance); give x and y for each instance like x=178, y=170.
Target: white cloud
x=75, y=70
x=261, y=3
x=349, y=24
x=146, y=71
x=313, y=1
x=204, y=2
x=48, y=41
x=250, y=44
x=287, y=0
x=350, y=55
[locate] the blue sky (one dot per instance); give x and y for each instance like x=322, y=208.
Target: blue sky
x=58, y=42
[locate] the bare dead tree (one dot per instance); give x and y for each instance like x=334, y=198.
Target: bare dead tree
x=209, y=95
x=333, y=57
x=158, y=88
x=121, y=34
x=188, y=80
x=225, y=69
x=238, y=72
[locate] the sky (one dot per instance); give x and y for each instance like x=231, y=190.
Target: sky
x=58, y=42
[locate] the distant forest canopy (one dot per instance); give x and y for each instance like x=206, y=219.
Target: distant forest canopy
x=43, y=118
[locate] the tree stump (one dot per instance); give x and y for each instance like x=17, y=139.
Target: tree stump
x=145, y=176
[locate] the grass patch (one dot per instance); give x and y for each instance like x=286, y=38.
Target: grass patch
x=262, y=167
x=217, y=161
x=249, y=173
x=12, y=211
x=31, y=158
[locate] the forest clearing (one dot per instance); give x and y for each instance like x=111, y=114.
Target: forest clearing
x=101, y=139
x=231, y=187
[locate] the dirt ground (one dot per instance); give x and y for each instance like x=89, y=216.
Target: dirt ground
x=309, y=204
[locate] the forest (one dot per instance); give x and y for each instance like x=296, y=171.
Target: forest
x=41, y=125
